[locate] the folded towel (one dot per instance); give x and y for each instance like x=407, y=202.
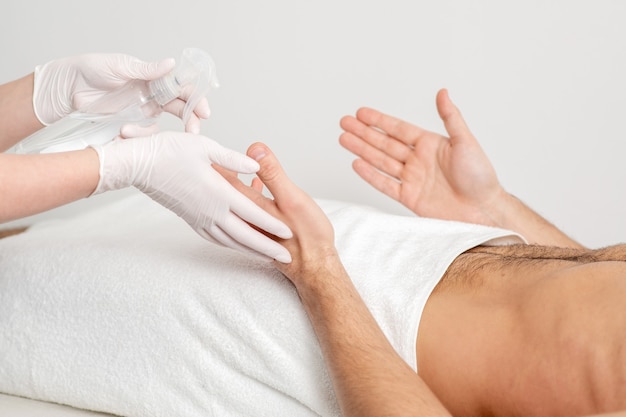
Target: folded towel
x=126, y=310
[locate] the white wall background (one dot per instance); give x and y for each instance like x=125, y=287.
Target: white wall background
x=542, y=84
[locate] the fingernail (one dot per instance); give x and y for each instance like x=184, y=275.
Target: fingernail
x=257, y=153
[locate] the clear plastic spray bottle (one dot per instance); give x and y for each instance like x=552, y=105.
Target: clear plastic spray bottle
x=139, y=102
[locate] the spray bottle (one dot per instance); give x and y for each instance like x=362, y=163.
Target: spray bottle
x=138, y=102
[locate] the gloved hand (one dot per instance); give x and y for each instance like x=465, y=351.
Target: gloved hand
x=68, y=84
x=174, y=169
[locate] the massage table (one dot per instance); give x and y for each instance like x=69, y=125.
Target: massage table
x=126, y=310
x=12, y=406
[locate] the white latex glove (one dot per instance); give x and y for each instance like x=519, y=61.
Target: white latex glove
x=174, y=169
x=68, y=84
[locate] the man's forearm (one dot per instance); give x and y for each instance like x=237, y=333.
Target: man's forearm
x=512, y=214
x=17, y=116
x=369, y=377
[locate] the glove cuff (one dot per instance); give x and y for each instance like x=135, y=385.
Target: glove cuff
x=51, y=84
x=36, y=95
x=113, y=171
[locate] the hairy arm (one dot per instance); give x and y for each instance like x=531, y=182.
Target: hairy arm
x=369, y=377
x=509, y=212
x=611, y=253
x=17, y=116
x=448, y=177
x=30, y=184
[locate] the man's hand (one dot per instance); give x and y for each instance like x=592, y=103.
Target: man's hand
x=312, y=246
x=369, y=377
x=432, y=175
x=449, y=178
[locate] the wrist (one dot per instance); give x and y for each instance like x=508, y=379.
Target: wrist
x=52, y=88
x=315, y=274
x=116, y=167
x=498, y=211
x=513, y=214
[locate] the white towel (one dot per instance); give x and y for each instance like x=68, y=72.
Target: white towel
x=126, y=310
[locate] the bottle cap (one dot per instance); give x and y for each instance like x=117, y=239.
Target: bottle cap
x=193, y=77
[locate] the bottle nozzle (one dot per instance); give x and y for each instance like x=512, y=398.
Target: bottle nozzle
x=193, y=77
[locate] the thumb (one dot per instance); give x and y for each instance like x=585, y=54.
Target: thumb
x=134, y=68
x=452, y=119
x=271, y=173
x=132, y=130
